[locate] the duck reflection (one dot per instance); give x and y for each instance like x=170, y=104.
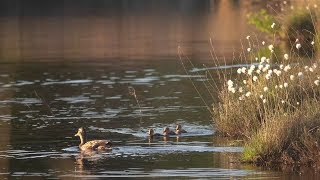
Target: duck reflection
x=86, y=162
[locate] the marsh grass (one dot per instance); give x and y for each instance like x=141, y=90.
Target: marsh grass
x=273, y=102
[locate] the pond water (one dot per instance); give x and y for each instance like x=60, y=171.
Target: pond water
x=43, y=104
x=63, y=71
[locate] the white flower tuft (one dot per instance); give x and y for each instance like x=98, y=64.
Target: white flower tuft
x=265, y=89
x=287, y=68
x=298, y=45
x=239, y=70
x=292, y=77
x=270, y=47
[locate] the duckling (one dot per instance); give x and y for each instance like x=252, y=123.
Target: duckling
x=152, y=134
x=96, y=145
x=179, y=129
x=168, y=132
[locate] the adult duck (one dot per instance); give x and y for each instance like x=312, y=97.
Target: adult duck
x=95, y=145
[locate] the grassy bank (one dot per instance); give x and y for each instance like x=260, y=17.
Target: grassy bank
x=276, y=108
x=274, y=101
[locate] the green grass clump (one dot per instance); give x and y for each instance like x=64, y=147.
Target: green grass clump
x=300, y=25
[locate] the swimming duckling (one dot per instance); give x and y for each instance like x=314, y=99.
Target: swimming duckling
x=179, y=129
x=168, y=132
x=96, y=145
x=152, y=134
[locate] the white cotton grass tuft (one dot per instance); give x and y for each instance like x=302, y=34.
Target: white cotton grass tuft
x=317, y=82
x=291, y=77
x=286, y=56
x=281, y=66
x=270, y=47
x=265, y=89
x=268, y=76
x=272, y=25
x=230, y=83
x=311, y=69
x=298, y=45
x=243, y=70
x=239, y=71
x=240, y=89
x=287, y=68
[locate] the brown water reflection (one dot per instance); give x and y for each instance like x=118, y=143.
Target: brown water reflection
x=85, y=30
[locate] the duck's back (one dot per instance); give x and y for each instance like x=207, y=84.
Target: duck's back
x=96, y=145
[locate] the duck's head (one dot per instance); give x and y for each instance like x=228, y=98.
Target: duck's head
x=178, y=127
x=81, y=132
x=151, y=132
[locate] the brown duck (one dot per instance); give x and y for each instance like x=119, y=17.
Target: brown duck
x=95, y=145
x=168, y=132
x=152, y=134
x=179, y=129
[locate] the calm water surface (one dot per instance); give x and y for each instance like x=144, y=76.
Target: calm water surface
x=65, y=66
x=43, y=104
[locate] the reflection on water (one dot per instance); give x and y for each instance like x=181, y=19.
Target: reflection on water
x=120, y=29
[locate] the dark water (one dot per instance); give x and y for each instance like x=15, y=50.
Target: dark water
x=37, y=136
x=65, y=66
